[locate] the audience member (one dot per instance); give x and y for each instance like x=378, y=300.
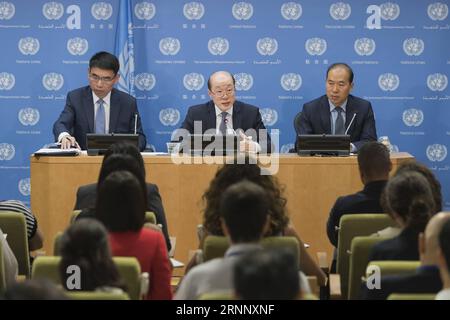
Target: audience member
x=34, y=290
x=444, y=261
x=10, y=264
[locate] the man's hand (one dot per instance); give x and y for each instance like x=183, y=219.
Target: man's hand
x=68, y=142
x=246, y=144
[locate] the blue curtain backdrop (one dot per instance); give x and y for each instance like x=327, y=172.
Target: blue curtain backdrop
x=278, y=51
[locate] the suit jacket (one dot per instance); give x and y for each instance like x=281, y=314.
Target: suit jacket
x=77, y=118
x=245, y=116
x=364, y=201
x=425, y=280
x=315, y=119
x=402, y=247
x=87, y=195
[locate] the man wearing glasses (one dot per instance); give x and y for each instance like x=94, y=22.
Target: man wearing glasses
x=227, y=115
x=98, y=108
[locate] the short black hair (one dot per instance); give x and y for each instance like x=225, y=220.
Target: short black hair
x=104, y=60
x=209, y=80
x=267, y=275
x=34, y=289
x=373, y=159
x=444, y=242
x=343, y=65
x=244, y=208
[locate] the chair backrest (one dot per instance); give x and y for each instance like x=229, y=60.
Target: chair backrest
x=47, y=267
x=350, y=226
x=95, y=295
x=150, y=216
x=388, y=268
x=216, y=246
x=359, y=258
x=297, y=123
x=2, y=271
x=14, y=224
x=410, y=296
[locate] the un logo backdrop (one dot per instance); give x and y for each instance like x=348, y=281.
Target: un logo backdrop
x=277, y=50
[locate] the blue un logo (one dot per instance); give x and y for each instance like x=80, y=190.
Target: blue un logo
x=316, y=46
x=437, y=11
x=169, y=117
x=77, y=46
x=28, y=116
x=52, y=81
x=291, y=11
x=340, y=11
x=218, y=46
x=7, y=151
x=269, y=116
x=7, y=81
x=291, y=81
x=364, y=46
x=193, y=10
x=25, y=186
x=437, y=82
x=144, y=10
x=285, y=148
x=169, y=46
x=389, y=11
x=413, y=46
x=412, y=117
x=193, y=81
x=436, y=152
x=388, y=81
x=53, y=10
x=242, y=10
x=145, y=81
x=101, y=10
x=267, y=46
x=244, y=81
x=29, y=46
x=7, y=10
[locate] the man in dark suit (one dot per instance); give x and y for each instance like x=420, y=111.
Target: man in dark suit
x=225, y=115
x=426, y=279
x=98, y=108
x=338, y=112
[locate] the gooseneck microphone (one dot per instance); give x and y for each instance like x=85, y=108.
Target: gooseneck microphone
x=350, y=124
x=135, y=122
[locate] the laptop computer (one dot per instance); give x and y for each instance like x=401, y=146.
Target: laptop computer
x=323, y=145
x=97, y=143
x=210, y=144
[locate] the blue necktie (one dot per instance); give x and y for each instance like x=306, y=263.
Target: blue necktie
x=100, y=117
x=339, y=124
x=223, y=124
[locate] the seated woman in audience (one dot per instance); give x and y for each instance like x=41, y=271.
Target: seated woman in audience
x=10, y=265
x=279, y=221
x=409, y=201
x=85, y=244
x=121, y=208
x=87, y=194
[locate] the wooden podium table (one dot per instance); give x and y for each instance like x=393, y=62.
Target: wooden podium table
x=311, y=187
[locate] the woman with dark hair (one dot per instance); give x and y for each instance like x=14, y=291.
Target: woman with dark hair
x=121, y=208
x=85, y=244
x=279, y=221
x=408, y=199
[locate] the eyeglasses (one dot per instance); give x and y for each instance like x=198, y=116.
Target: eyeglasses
x=96, y=78
x=223, y=93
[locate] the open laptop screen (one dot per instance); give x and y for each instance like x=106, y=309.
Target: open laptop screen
x=322, y=144
x=97, y=144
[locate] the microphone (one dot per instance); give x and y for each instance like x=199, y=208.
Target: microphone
x=135, y=122
x=350, y=124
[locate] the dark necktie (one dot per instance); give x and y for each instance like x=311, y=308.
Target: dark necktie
x=339, y=124
x=223, y=124
x=100, y=117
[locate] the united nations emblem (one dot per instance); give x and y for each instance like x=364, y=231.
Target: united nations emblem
x=291, y=81
x=53, y=81
x=29, y=116
x=285, y=148
x=144, y=10
x=437, y=82
x=169, y=46
x=291, y=10
x=244, y=81
x=413, y=46
x=145, y=81
x=242, y=10
x=193, y=10
x=193, y=81
x=53, y=10
x=267, y=46
x=316, y=46
x=7, y=81
x=389, y=11
x=388, y=81
x=269, y=116
x=412, y=117
x=7, y=151
x=218, y=46
x=437, y=11
x=169, y=117
x=436, y=152
x=29, y=46
x=364, y=46
x=77, y=46
x=101, y=10
x=7, y=10
x=25, y=186
x=340, y=11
